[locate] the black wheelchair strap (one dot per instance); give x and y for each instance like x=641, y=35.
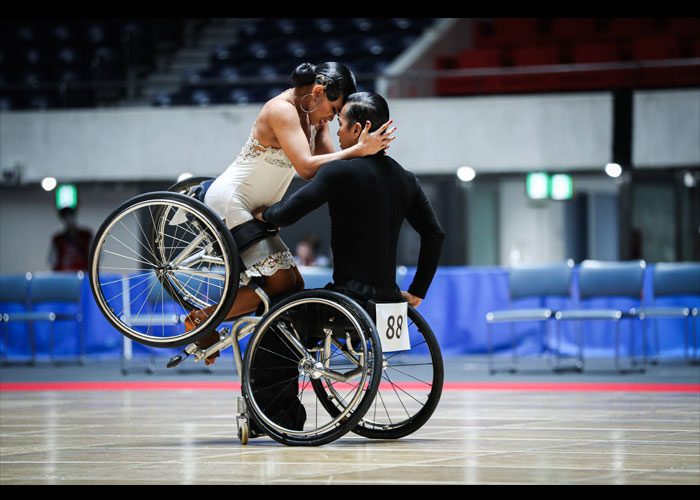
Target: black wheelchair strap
x=250, y=232
x=247, y=234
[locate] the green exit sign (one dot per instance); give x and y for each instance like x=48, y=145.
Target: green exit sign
x=537, y=185
x=561, y=187
x=541, y=186
x=66, y=196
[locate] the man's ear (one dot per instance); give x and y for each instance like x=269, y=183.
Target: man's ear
x=357, y=129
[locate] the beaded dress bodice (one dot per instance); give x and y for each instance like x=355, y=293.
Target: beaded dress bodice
x=252, y=150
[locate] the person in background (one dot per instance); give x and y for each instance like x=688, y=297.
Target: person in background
x=70, y=248
x=306, y=252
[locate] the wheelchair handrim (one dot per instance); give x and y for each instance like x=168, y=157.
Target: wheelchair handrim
x=95, y=267
x=360, y=384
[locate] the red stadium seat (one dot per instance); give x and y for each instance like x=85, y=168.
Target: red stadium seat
x=596, y=79
x=572, y=29
x=593, y=52
x=695, y=48
x=490, y=57
x=507, y=31
x=683, y=26
x=536, y=55
x=626, y=28
x=654, y=48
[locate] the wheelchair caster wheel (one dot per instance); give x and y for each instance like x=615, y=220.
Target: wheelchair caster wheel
x=243, y=432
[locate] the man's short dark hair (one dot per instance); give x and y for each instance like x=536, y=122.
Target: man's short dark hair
x=364, y=107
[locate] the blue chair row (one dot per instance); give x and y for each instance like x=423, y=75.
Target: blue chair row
x=597, y=281
x=41, y=298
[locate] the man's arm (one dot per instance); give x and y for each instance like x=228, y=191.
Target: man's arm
x=422, y=218
x=308, y=198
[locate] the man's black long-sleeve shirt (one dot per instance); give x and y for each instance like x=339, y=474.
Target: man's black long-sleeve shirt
x=368, y=200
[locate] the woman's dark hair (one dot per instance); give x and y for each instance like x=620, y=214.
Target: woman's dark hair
x=335, y=78
x=364, y=107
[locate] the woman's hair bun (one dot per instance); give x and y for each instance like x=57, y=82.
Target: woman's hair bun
x=335, y=78
x=304, y=74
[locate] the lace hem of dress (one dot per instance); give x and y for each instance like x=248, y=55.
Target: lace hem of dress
x=268, y=266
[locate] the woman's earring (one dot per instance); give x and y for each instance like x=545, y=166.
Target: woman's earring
x=301, y=104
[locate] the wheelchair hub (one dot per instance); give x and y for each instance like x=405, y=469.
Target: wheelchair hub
x=163, y=269
x=311, y=368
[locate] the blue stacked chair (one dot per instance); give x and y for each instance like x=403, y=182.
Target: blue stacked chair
x=14, y=306
x=50, y=298
x=57, y=297
x=679, y=283
x=608, y=281
x=526, y=283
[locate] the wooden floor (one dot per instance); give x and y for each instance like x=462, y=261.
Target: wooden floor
x=477, y=436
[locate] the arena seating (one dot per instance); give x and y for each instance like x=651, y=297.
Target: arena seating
x=575, y=55
x=68, y=63
x=50, y=63
x=257, y=66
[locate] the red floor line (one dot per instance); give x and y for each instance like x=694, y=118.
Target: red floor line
x=448, y=386
x=572, y=387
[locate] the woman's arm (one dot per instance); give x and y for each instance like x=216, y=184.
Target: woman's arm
x=284, y=122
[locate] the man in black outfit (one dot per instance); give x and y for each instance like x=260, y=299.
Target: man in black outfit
x=368, y=199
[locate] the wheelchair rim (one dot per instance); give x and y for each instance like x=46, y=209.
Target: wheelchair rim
x=359, y=386
x=414, y=380
x=155, y=272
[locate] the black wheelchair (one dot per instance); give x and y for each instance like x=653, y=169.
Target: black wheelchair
x=161, y=255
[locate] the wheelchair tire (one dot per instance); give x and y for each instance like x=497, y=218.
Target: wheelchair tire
x=146, y=291
x=411, y=386
x=335, y=345
x=185, y=186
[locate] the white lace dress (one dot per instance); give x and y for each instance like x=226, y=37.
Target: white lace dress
x=259, y=176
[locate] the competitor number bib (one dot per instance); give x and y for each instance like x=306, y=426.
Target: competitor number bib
x=392, y=326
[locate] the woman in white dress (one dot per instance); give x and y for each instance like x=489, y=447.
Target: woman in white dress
x=289, y=136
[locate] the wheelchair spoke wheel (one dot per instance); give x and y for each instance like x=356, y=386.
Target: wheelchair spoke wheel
x=157, y=257
x=157, y=240
x=312, y=339
x=410, y=389
x=411, y=386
